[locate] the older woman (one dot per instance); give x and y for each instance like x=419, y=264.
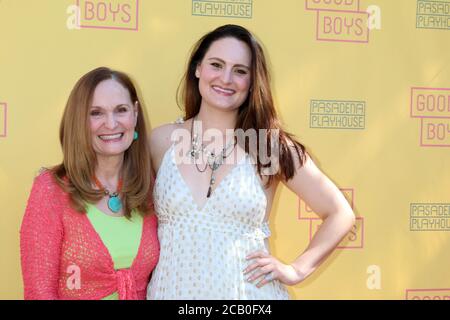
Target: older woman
x=88, y=231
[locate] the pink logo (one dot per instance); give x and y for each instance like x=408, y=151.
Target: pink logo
x=340, y=20
x=108, y=14
x=353, y=240
x=338, y=5
x=432, y=106
x=306, y=213
x=427, y=294
x=3, y=119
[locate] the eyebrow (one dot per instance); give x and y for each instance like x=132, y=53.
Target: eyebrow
x=236, y=65
x=117, y=106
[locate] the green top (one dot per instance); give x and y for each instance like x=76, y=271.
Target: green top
x=121, y=237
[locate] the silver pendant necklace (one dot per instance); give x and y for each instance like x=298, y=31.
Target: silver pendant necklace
x=213, y=161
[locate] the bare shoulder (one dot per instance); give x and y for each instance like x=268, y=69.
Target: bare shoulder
x=161, y=138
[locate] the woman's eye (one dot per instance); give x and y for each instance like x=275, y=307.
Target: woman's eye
x=241, y=71
x=123, y=109
x=95, y=113
x=216, y=65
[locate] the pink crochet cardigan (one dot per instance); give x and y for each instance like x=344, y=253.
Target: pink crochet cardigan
x=63, y=257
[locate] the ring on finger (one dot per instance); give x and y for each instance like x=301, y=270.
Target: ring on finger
x=269, y=277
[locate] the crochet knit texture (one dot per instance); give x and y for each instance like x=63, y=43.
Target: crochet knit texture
x=63, y=257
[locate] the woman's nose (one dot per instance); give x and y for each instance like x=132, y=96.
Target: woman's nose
x=111, y=121
x=226, y=76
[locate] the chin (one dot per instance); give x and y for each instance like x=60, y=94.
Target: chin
x=111, y=152
x=226, y=107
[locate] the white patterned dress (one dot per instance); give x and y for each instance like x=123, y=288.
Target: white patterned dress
x=203, y=250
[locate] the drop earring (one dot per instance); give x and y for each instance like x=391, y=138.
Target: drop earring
x=135, y=136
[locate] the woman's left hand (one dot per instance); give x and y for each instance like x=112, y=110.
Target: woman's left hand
x=270, y=268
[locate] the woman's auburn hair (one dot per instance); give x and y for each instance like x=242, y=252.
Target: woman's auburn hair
x=75, y=174
x=258, y=110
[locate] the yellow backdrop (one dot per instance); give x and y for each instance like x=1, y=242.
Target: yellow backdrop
x=365, y=85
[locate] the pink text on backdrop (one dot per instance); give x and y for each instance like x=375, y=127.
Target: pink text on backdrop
x=430, y=102
x=432, y=107
x=109, y=14
x=435, y=132
x=333, y=5
x=342, y=26
x=306, y=213
x=427, y=294
x=353, y=240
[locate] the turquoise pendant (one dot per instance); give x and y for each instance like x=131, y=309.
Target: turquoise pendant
x=114, y=204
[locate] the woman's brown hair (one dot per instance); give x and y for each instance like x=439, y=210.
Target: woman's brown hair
x=258, y=110
x=75, y=174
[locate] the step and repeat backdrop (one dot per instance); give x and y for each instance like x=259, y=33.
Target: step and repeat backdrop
x=364, y=84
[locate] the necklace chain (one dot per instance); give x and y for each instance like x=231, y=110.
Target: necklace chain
x=214, y=162
x=114, y=202
x=107, y=192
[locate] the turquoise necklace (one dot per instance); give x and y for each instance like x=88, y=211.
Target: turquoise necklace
x=114, y=202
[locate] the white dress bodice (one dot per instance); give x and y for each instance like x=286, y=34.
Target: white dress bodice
x=203, y=250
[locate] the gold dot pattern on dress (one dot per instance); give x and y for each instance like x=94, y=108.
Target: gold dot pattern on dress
x=203, y=250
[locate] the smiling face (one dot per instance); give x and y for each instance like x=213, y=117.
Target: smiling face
x=224, y=74
x=112, y=118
